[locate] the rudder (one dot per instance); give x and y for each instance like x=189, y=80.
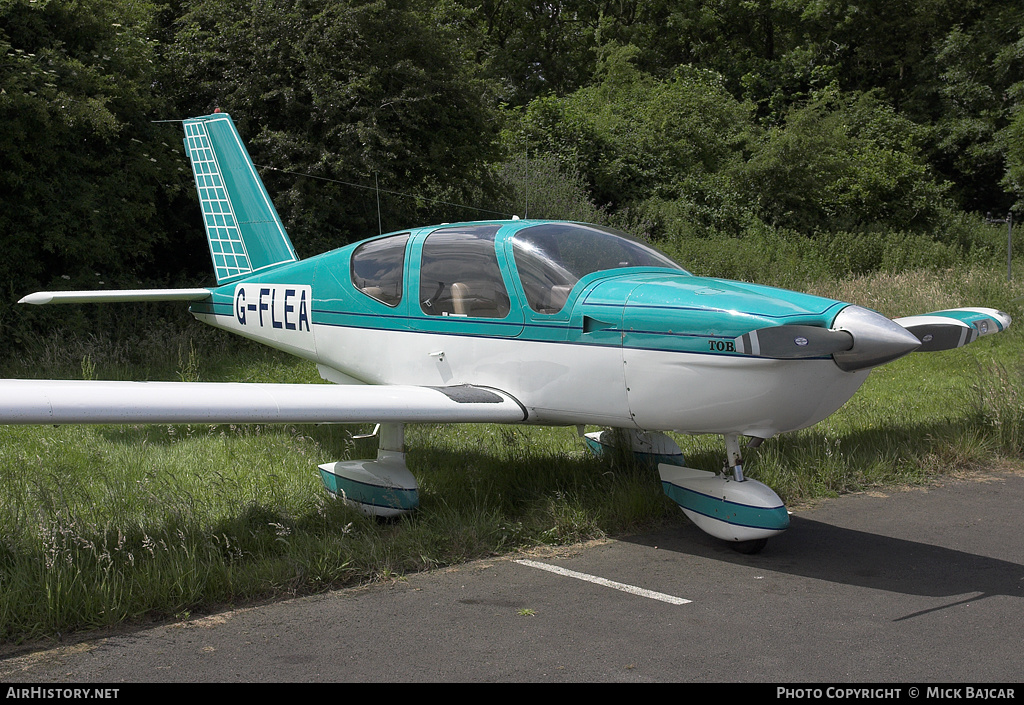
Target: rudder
x=243, y=229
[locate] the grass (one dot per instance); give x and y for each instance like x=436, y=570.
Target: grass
x=105, y=525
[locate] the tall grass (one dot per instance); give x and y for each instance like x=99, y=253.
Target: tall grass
x=785, y=258
x=103, y=525
x=107, y=524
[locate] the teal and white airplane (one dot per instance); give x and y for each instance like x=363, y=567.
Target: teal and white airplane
x=516, y=321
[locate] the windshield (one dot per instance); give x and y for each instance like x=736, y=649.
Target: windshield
x=552, y=257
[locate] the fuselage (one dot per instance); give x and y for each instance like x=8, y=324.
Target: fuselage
x=580, y=325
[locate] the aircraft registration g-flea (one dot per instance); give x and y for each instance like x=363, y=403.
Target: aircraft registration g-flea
x=516, y=322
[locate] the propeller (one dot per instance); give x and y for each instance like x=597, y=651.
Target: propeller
x=861, y=338
x=793, y=342
x=858, y=339
x=937, y=333
x=954, y=328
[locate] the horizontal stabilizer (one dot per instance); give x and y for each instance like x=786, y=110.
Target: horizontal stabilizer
x=114, y=295
x=25, y=401
x=954, y=328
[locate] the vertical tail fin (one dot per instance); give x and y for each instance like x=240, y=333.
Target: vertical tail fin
x=243, y=228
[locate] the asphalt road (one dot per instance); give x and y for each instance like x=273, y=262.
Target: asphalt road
x=901, y=587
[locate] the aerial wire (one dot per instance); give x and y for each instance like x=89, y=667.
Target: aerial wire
x=376, y=184
x=380, y=190
x=526, y=185
x=376, y=187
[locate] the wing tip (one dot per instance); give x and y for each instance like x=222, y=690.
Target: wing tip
x=37, y=298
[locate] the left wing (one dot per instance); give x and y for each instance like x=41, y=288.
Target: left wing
x=25, y=401
x=82, y=402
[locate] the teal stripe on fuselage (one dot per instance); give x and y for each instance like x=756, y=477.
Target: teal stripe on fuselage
x=696, y=343
x=643, y=308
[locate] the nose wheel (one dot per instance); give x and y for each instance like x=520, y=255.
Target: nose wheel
x=749, y=548
x=734, y=464
x=734, y=459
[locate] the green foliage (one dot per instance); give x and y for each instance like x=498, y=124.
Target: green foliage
x=1013, y=138
x=359, y=92
x=789, y=259
x=87, y=179
x=526, y=49
x=999, y=407
x=840, y=162
x=688, y=156
x=954, y=71
x=633, y=137
x=541, y=188
x=980, y=64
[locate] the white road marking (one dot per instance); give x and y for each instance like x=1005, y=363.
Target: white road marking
x=633, y=590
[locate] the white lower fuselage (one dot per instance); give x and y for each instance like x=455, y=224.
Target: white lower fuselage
x=571, y=383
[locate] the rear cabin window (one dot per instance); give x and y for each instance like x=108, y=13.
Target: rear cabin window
x=459, y=274
x=378, y=267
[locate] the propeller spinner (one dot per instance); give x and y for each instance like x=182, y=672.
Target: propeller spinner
x=859, y=338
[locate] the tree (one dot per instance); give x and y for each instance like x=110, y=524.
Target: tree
x=352, y=92
x=844, y=161
x=979, y=66
x=86, y=171
x=1013, y=138
x=634, y=137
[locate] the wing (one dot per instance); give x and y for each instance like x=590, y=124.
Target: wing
x=74, y=401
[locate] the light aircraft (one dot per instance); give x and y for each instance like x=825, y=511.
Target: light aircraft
x=515, y=321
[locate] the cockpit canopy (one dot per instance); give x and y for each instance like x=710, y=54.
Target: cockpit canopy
x=552, y=257
x=460, y=273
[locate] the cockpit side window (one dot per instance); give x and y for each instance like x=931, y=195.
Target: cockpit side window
x=459, y=274
x=378, y=267
x=546, y=282
x=552, y=257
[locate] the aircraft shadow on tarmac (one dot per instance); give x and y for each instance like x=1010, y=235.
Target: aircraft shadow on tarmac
x=814, y=549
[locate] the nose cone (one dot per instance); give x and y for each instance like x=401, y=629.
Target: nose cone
x=876, y=339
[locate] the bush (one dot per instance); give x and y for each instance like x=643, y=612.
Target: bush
x=843, y=162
